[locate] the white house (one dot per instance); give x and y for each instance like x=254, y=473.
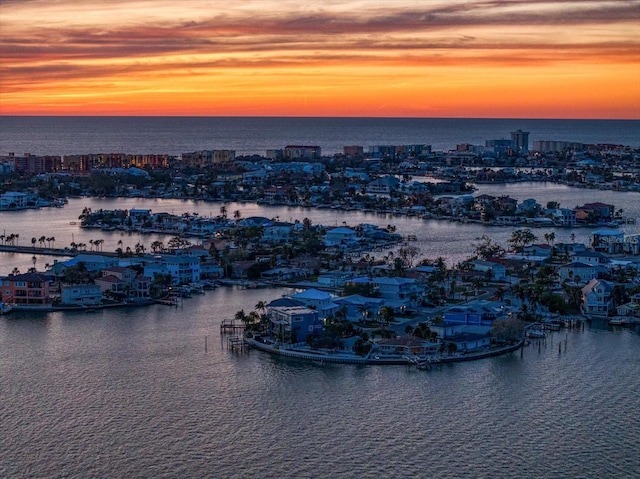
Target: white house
x=590, y=257
x=577, y=272
x=341, y=236
x=596, y=297
x=277, y=232
x=81, y=294
x=498, y=271
x=13, y=199
x=182, y=268
x=405, y=290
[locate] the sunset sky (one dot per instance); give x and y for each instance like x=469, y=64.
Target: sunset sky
x=392, y=58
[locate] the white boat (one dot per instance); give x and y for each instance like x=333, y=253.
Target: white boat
x=5, y=308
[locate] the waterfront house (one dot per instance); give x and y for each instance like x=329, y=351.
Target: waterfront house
x=341, y=236
x=607, y=241
x=81, y=294
x=29, y=289
x=403, y=346
x=528, y=207
x=563, y=216
x=13, y=200
x=293, y=324
x=113, y=285
x=183, y=269
x=596, y=297
x=628, y=309
x=594, y=212
x=465, y=337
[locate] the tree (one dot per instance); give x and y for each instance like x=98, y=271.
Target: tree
x=510, y=329
x=521, y=238
x=408, y=254
x=386, y=315
x=487, y=248
x=33, y=242
x=550, y=237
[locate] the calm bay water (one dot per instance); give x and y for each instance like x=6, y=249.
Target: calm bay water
x=133, y=393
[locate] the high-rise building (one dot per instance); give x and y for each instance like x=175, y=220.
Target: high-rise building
x=520, y=140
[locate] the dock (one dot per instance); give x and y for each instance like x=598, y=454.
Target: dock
x=230, y=326
x=237, y=343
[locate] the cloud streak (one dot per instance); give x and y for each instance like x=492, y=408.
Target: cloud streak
x=45, y=44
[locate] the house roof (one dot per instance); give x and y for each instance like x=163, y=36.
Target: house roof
x=311, y=293
x=594, y=283
x=29, y=277
x=341, y=230
x=286, y=302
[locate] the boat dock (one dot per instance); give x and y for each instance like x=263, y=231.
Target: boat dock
x=237, y=343
x=230, y=326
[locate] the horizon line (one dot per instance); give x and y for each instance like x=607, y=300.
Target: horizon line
x=323, y=117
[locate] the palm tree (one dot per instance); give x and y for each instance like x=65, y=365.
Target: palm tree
x=261, y=306
x=362, y=309
x=42, y=240
x=33, y=242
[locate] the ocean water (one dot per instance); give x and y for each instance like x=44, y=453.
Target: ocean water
x=254, y=135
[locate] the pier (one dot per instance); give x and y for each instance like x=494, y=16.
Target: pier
x=229, y=326
x=237, y=343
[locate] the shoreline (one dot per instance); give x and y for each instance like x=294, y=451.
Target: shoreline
x=348, y=358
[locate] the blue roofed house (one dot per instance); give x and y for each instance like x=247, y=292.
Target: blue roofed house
x=93, y=262
x=359, y=308
x=321, y=301
x=404, y=292
x=341, y=237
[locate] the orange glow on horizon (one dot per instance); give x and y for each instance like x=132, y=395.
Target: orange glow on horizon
x=449, y=59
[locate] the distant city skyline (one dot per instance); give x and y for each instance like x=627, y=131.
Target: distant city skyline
x=356, y=58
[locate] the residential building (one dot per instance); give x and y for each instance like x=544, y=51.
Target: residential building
x=293, y=324
x=81, y=294
x=596, y=297
x=341, y=236
x=29, y=289
x=578, y=272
